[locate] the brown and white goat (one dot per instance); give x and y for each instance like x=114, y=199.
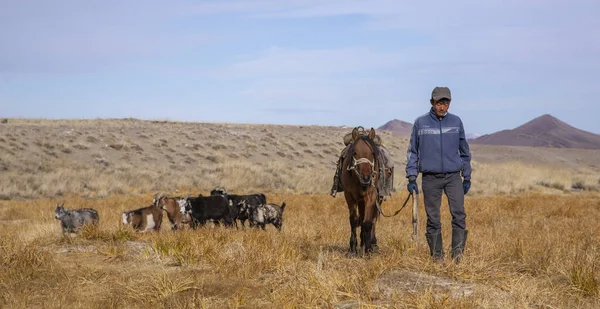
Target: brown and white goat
x=175, y=208
x=144, y=219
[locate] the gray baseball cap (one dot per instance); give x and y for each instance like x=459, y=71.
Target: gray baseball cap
x=439, y=93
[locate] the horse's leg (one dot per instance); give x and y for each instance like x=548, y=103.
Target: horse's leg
x=361, y=213
x=373, y=236
x=354, y=222
x=368, y=223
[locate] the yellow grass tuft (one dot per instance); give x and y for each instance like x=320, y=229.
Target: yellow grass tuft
x=584, y=273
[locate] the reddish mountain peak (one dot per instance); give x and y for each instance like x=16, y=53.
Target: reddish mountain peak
x=544, y=123
x=396, y=124
x=397, y=127
x=543, y=131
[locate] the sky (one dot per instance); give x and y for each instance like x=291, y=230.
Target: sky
x=301, y=62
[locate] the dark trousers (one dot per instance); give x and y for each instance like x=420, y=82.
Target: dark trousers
x=433, y=185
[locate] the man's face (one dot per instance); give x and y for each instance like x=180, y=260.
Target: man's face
x=441, y=107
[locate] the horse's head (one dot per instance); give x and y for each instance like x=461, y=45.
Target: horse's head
x=364, y=153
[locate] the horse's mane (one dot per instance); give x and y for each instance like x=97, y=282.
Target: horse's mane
x=370, y=142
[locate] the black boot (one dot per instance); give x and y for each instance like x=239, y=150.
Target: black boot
x=435, y=246
x=459, y=239
x=382, y=191
x=336, y=181
x=388, y=185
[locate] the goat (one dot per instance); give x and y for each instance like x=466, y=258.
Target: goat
x=144, y=219
x=173, y=205
x=265, y=214
x=72, y=221
x=243, y=203
x=215, y=207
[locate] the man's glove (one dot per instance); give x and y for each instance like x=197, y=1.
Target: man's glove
x=412, y=184
x=466, y=186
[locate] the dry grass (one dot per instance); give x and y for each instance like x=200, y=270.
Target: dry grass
x=525, y=251
x=532, y=215
x=97, y=158
x=516, y=177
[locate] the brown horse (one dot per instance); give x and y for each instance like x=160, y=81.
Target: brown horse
x=360, y=174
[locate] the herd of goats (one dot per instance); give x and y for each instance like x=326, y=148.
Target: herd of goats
x=220, y=208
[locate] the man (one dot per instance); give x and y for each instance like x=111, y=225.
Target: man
x=439, y=150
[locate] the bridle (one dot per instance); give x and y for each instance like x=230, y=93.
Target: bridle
x=356, y=162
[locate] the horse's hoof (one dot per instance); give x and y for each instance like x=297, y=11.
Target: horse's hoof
x=351, y=254
x=375, y=249
x=370, y=253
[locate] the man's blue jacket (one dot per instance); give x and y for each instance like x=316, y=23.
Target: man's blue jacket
x=438, y=146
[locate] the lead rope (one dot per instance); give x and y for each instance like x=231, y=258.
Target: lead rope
x=415, y=214
x=415, y=218
x=397, y=211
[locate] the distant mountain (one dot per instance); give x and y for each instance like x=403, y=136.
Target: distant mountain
x=543, y=131
x=397, y=127
x=471, y=136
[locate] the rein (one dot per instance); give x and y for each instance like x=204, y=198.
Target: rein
x=415, y=214
x=397, y=211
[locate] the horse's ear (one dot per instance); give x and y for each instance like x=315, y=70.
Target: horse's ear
x=372, y=134
x=354, y=134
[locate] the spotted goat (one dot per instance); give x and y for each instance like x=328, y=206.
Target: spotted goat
x=267, y=214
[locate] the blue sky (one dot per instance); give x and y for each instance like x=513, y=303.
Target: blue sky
x=301, y=61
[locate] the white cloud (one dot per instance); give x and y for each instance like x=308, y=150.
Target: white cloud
x=336, y=93
x=277, y=61
x=474, y=31
x=76, y=36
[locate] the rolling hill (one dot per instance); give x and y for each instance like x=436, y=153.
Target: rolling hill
x=101, y=157
x=397, y=127
x=543, y=131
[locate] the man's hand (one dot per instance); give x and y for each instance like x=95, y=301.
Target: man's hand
x=412, y=185
x=466, y=186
